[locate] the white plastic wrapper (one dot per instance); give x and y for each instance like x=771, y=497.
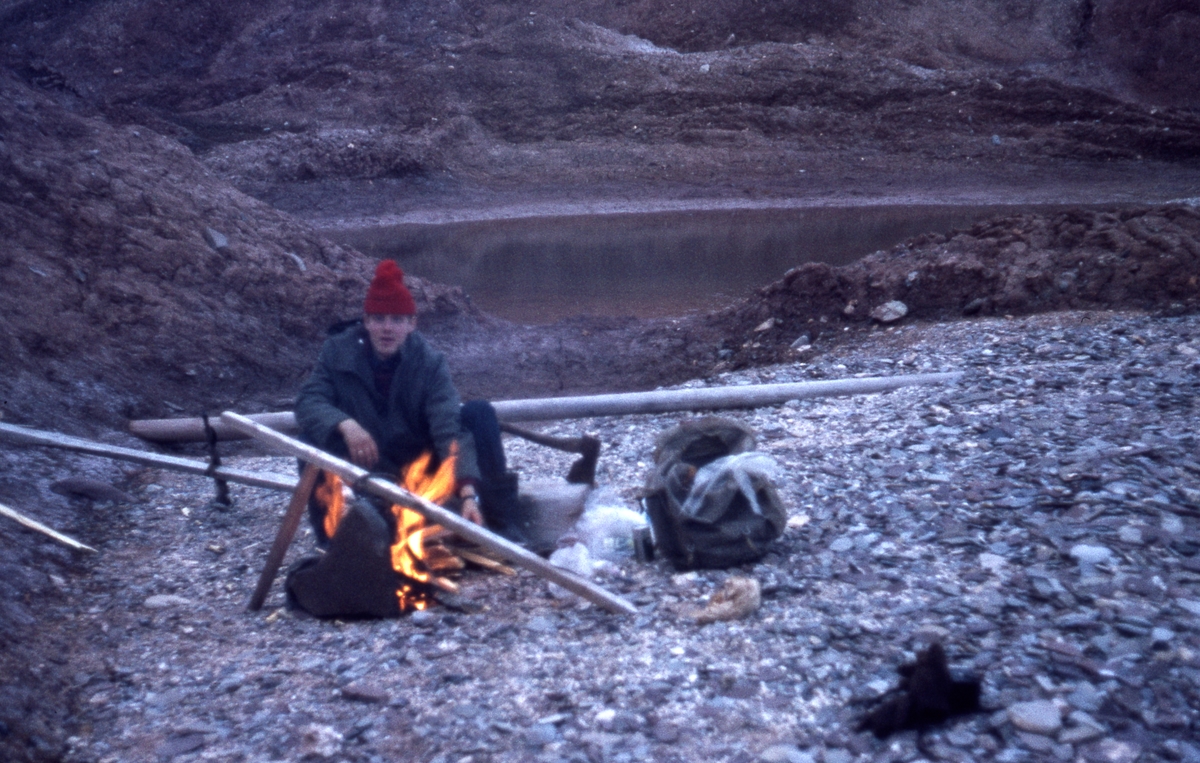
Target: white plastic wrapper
x=716, y=483
x=607, y=526
x=574, y=558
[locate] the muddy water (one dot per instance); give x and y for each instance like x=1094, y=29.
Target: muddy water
x=537, y=270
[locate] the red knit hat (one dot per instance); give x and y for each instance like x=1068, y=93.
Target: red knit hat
x=387, y=294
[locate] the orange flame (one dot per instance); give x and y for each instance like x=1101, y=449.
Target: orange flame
x=329, y=493
x=410, y=557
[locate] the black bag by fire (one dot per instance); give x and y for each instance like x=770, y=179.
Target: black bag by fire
x=721, y=516
x=354, y=577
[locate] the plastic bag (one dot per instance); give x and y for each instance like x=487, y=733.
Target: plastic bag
x=606, y=527
x=716, y=484
x=575, y=558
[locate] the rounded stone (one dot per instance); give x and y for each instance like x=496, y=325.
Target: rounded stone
x=1037, y=717
x=785, y=753
x=1161, y=635
x=1086, y=554
x=890, y=312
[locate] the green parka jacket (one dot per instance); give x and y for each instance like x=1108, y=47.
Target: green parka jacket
x=420, y=413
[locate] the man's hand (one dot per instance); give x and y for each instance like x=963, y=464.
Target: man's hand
x=363, y=450
x=470, y=510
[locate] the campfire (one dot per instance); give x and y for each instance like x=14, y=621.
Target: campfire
x=417, y=552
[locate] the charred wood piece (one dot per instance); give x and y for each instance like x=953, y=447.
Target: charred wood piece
x=926, y=696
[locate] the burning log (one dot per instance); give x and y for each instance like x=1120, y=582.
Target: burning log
x=360, y=478
x=33, y=524
x=622, y=404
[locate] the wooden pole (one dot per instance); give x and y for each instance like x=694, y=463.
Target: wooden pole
x=703, y=398
x=358, y=477
x=283, y=539
x=35, y=525
x=621, y=404
x=192, y=430
x=191, y=466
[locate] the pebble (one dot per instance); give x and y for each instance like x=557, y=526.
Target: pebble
x=841, y=544
x=216, y=239
x=1191, y=606
x=890, y=312
x=1086, y=697
x=1036, y=717
x=992, y=562
x=319, y=741
x=785, y=753
x=1112, y=751
x=1161, y=635
x=165, y=600
x=1085, y=554
x=979, y=514
x=365, y=691
x=1130, y=534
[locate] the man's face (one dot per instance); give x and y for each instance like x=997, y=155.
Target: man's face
x=388, y=332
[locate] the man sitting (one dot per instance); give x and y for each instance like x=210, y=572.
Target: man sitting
x=380, y=396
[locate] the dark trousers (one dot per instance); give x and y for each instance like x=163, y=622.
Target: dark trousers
x=479, y=418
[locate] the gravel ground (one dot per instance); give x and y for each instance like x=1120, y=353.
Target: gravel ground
x=1041, y=519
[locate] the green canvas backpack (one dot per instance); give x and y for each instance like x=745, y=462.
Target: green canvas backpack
x=710, y=497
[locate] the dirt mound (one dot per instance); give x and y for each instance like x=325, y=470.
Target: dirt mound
x=719, y=97
x=1155, y=45
x=136, y=280
x=1144, y=258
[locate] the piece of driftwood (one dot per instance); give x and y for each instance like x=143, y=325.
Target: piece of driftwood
x=283, y=539
x=33, y=524
x=485, y=561
x=27, y=436
x=360, y=479
x=622, y=404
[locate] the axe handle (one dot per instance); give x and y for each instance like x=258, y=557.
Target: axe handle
x=568, y=444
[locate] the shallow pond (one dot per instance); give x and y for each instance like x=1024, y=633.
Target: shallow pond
x=540, y=269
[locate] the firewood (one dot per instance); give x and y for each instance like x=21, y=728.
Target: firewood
x=485, y=562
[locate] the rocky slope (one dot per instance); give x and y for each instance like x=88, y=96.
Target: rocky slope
x=1040, y=518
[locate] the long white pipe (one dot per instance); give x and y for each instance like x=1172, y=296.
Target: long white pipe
x=588, y=406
